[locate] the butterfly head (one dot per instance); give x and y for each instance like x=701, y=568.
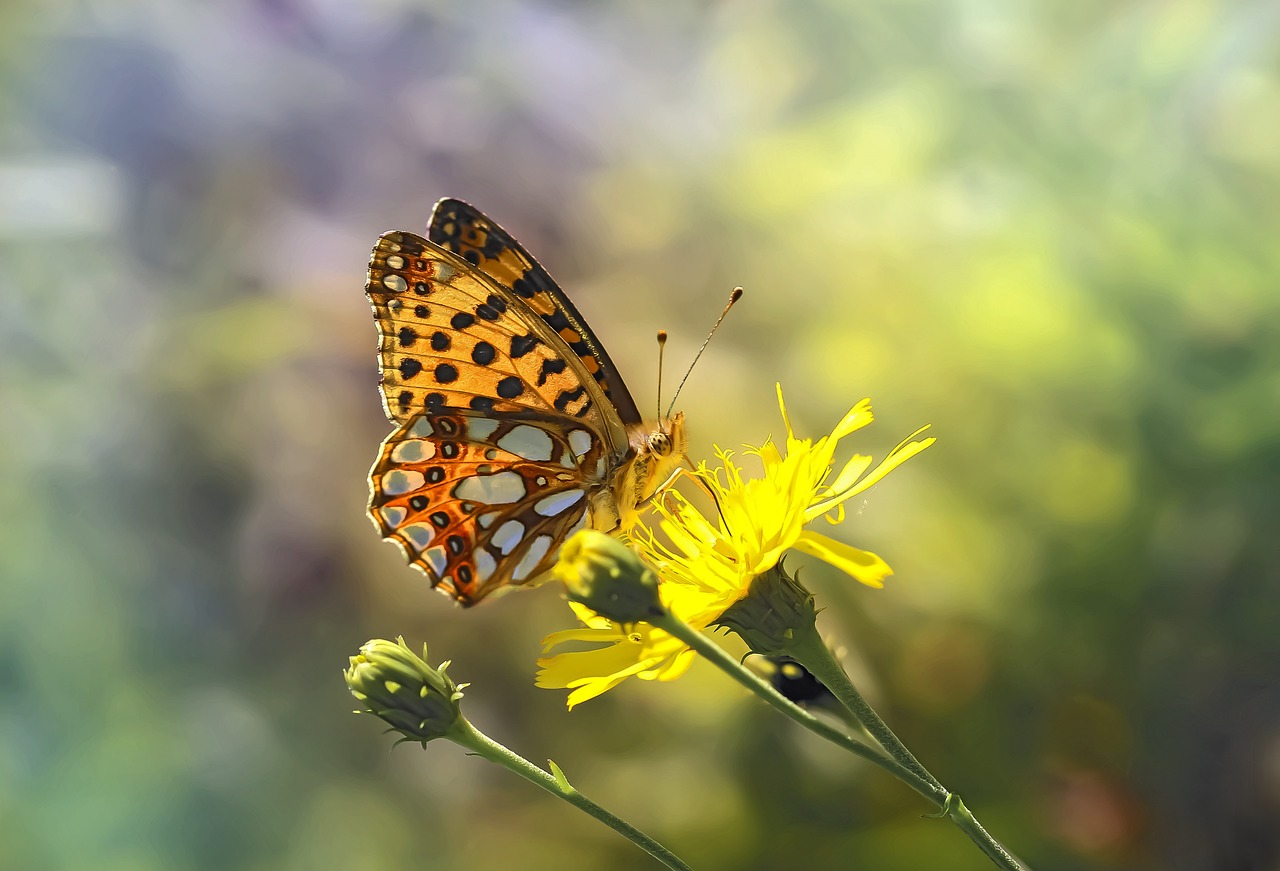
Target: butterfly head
x=669, y=439
x=659, y=451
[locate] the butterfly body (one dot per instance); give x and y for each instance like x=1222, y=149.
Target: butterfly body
x=514, y=429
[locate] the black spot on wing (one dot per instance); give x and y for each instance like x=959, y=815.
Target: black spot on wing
x=407, y=245
x=510, y=387
x=568, y=396
x=493, y=246
x=521, y=345
x=549, y=368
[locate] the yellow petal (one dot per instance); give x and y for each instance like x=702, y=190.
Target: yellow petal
x=896, y=458
x=598, y=636
x=856, y=418
x=670, y=668
x=782, y=406
x=862, y=565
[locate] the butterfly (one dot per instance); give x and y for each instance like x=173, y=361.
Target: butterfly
x=514, y=428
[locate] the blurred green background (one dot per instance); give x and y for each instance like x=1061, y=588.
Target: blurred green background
x=1049, y=229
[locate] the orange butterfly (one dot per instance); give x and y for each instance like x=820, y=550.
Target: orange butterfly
x=514, y=428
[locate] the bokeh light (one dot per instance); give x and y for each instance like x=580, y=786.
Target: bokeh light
x=1049, y=229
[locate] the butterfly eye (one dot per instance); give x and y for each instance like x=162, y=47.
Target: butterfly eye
x=660, y=443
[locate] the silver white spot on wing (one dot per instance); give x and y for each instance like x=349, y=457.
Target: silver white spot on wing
x=480, y=428
x=504, y=487
x=537, y=550
x=399, y=481
x=393, y=515
x=413, y=451
x=528, y=442
x=486, y=520
x=418, y=534
x=508, y=535
x=437, y=560
x=394, y=283
x=556, y=503
x=486, y=565
x=580, y=442
x=395, y=261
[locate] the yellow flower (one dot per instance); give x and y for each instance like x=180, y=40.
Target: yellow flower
x=706, y=565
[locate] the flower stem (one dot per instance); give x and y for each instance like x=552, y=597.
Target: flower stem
x=481, y=744
x=808, y=649
x=914, y=775
x=676, y=627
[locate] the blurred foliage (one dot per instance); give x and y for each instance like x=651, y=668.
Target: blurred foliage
x=1048, y=228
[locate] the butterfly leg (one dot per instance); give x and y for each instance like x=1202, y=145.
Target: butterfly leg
x=684, y=472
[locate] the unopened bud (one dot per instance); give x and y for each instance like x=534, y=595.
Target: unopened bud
x=397, y=685
x=602, y=573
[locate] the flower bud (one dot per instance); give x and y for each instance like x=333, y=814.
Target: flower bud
x=418, y=701
x=775, y=610
x=602, y=573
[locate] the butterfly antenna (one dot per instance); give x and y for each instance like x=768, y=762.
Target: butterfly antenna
x=662, y=346
x=733, y=297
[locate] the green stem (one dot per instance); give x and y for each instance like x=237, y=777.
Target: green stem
x=915, y=775
x=807, y=648
x=481, y=744
x=955, y=811
x=678, y=628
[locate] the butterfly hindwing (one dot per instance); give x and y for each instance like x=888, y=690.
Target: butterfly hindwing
x=464, y=230
x=479, y=502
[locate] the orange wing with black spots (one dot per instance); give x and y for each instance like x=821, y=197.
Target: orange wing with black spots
x=513, y=427
x=462, y=229
x=450, y=337
x=480, y=502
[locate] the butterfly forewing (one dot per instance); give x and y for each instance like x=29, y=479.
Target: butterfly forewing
x=451, y=337
x=479, y=502
x=462, y=229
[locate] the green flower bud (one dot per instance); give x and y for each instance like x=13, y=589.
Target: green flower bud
x=393, y=682
x=775, y=610
x=602, y=573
